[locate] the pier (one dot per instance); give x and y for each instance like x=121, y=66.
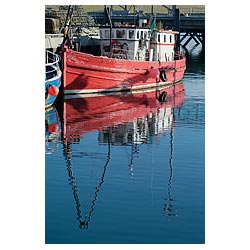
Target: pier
x=188, y=20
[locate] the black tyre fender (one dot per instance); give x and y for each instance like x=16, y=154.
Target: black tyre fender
x=163, y=75
x=163, y=97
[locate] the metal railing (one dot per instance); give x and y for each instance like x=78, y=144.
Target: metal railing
x=51, y=58
x=192, y=10
x=144, y=55
x=51, y=64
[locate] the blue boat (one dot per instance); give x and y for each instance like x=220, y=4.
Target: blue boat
x=53, y=77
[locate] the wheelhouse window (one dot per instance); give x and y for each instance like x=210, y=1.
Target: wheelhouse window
x=131, y=34
x=170, y=38
x=153, y=37
x=165, y=38
x=107, y=34
x=159, y=38
x=120, y=34
x=138, y=35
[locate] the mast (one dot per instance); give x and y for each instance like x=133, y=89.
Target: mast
x=177, y=27
x=67, y=24
x=152, y=10
x=108, y=15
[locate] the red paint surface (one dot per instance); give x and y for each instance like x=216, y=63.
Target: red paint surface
x=85, y=71
x=82, y=115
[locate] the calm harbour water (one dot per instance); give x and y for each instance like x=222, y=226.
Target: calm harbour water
x=134, y=175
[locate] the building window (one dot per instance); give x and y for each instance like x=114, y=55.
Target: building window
x=159, y=38
x=138, y=35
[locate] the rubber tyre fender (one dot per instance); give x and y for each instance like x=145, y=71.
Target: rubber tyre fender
x=163, y=75
x=163, y=97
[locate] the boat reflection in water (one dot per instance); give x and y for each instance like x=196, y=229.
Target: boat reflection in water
x=52, y=130
x=128, y=119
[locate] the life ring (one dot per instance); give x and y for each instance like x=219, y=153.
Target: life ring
x=163, y=97
x=163, y=75
x=106, y=48
x=116, y=47
x=125, y=48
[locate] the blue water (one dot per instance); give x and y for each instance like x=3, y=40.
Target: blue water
x=150, y=190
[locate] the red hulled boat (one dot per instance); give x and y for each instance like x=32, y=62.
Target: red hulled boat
x=132, y=57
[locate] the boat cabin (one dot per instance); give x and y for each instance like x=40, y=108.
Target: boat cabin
x=137, y=43
x=162, y=44
x=128, y=42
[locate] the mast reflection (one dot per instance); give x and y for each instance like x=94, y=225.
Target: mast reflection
x=124, y=120
x=84, y=221
x=169, y=209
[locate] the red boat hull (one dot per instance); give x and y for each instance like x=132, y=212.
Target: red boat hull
x=85, y=73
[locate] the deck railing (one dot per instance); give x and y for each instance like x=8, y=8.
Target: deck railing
x=51, y=58
x=147, y=55
x=51, y=64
